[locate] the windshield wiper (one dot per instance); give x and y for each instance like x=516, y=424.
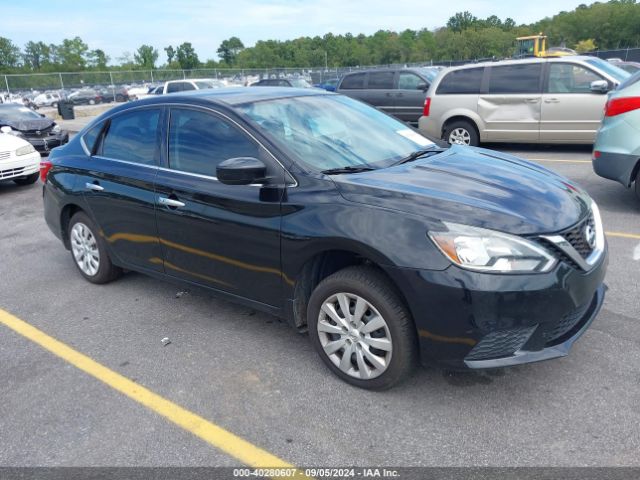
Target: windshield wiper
x=419, y=154
x=347, y=169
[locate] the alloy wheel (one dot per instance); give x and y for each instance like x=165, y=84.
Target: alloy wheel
x=85, y=249
x=354, y=335
x=460, y=136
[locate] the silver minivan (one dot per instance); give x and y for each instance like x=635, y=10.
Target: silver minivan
x=537, y=100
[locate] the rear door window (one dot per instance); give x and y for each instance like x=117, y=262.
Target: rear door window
x=352, y=82
x=132, y=137
x=381, y=80
x=518, y=78
x=467, y=81
x=188, y=86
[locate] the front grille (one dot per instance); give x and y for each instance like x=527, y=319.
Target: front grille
x=576, y=236
x=4, y=155
x=501, y=343
x=12, y=172
x=565, y=325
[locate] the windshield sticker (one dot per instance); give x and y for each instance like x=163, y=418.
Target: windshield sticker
x=414, y=137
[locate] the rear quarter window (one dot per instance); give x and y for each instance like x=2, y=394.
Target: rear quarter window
x=467, y=81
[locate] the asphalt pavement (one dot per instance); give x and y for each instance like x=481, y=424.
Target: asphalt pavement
x=252, y=375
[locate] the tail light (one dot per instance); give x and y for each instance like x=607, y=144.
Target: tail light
x=617, y=106
x=427, y=106
x=45, y=166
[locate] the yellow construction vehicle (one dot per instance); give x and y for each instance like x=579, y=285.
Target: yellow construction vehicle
x=536, y=46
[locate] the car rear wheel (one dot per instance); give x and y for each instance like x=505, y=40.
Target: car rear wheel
x=461, y=132
x=637, y=186
x=89, y=252
x=28, y=180
x=361, y=328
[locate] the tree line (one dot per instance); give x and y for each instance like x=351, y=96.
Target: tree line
x=610, y=25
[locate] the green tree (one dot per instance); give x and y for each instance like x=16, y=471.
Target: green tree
x=187, y=56
x=461, y=21
x=583, y=46
x=9, y=54
x=36, y=55
x=229, y=50
x=98, y=59
x=171, y=54
x=72, y=54
x=146, y=56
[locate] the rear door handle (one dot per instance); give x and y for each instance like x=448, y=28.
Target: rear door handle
x=170, y=202
x=531, y=100
x=93, y=186
x=551, y=100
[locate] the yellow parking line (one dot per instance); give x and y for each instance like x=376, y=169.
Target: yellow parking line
x=557, y=161
x=634, y=236
x=222, y=439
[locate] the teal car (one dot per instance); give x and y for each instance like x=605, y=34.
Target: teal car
x=616, y=153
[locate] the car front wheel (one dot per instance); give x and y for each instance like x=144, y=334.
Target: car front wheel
x=361, y=328
x=89, y=252
x=28, y=180
x=637, y=188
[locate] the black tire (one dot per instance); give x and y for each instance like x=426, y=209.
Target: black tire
x=637, y=186
x=462, y=126
x=106, y=271
x=374, y=287
x=28, y=180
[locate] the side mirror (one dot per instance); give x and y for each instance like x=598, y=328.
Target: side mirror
x=241, y=171
x=599, y=86
x=5, y=129
x=422, y=86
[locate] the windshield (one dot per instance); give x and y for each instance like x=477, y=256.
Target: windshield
x=18, y=113
x=299, y=82
x=331, y=131
x=429, y=73
x=610, y=69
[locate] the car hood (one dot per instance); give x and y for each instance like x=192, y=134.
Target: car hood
x=29, y=125
x=10, y=142
x=475, y=187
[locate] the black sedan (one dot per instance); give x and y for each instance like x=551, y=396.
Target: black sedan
x=40, y=131
x=317, y=208
x=86, y=96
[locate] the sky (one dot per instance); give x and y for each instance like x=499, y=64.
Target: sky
x=117, y=27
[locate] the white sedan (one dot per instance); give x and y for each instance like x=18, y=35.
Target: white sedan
x=19, y=161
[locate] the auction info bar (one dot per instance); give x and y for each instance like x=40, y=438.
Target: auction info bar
x=398, y=473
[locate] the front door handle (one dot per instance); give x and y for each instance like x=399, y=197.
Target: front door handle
x=551, y=100
x=93, y=186
x=531, y=100
x=170, y=202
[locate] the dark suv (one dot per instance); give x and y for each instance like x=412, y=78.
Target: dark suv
x=398, y=92
x=338, y=218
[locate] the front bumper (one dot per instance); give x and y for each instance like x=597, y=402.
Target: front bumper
x=468, y=319
x=20, y=166
x=46, y=144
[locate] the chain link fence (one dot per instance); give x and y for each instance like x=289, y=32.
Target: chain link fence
x=24, y=84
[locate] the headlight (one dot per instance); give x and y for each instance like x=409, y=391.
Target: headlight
x=489, y=251
x=56, y=129
x=26, y=150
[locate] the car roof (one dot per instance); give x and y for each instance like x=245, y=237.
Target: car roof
x=517, y=61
